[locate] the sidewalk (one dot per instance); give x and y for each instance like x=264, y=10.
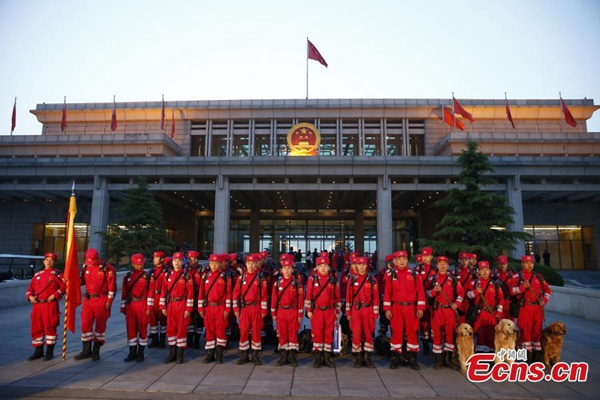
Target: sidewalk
x=111, y=378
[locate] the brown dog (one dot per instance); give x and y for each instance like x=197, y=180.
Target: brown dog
x=505, y=338
x=552, y=342
x=464, y=344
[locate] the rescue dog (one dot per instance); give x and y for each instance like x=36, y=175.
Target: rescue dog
x=305, y=341
x=464, y=344
x=505, y=338
x=382, y=345
x=552, y=342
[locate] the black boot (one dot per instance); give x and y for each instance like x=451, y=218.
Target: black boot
x=153, y=341
x=38, y=352
x=318, y=359
x=329, y=359
x=412, y=360
x=190, y=340
x=49, y=353
x=219, y=355
x=172, y=355
x=358, y=360
x=282, y=358
x=243, y=357
x=439, y=361
x=132, y=354
x=210, y=356
x=140, y=353
x=179, y=359
x=86, y=352
x=196, y=341
x=256, y=357
x=529, y=357
x=96, y=351
x=394, y=360
x=161, y=340
x=293, y=361
x=425, y=344
x=449, y=362
x=538, y=356
x=368, y=362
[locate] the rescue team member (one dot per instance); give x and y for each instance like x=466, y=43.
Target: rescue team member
x=194, y=331
x=502, y=276
x=425, y=270
x=404, y=304
x=250, y=306
x=176, y=303
x=464, y=274
x=100, y=288
x=214, y=303
x=45, y=290
x=447, y=295
x=489, y=300
x=322, y=308
x=158, y=322
x=287, y=302
x=533, y=293
x=362, y=310
x=136, y=302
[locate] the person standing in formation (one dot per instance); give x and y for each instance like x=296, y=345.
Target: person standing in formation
x=45, y=290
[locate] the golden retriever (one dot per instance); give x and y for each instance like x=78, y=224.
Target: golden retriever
x=552, y=342
x=505, y=338
x=464, y=345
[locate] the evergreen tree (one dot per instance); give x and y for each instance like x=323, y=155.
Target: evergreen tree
x=473, y=216
x=140, y=229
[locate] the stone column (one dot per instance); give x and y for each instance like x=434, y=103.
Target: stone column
x=384, y=219
x=99, y=217
x=255, y=231
x=515, y=200
x=222, y=210
x=359, y=231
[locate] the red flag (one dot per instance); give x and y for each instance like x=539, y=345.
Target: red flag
x=450, y=119
x=162, y=115
x=509, y=115
x=71, y=268
x=63, y=121
x=313, y=54
x=460, y=110
x=13, y=124
x=113, y=122
x=567, y=114
x=172, y=123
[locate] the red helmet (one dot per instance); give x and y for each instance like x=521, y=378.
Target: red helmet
x=51, y=255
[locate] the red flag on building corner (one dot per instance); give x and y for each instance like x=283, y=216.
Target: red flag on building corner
x=73, y=298
x=313, y=54
x=450, y=119
x=172, y=123
x=162, y=114
x=460, y=110
x=63, y=121
x=508, y=114
x=13, y=120
x=113, y=121
x=567, y=114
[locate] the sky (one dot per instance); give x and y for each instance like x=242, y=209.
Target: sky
x=138, y=50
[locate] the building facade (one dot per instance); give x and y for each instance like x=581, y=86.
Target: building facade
x=229, y=177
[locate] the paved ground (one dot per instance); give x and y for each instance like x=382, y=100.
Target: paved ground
x=111, y=378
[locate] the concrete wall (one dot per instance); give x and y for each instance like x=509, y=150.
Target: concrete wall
x=574, y=301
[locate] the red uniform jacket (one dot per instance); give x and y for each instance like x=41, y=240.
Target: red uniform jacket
x=493, y=296
x=539, y=288
x=214, y=290
x=177, y=286
x=403, y=286
x=255, y=294
x=46, y=283
x=137, y=286
x=329, y=297
x=451, y=287
x=99, y=279
x=287, y=293
x=367, y=296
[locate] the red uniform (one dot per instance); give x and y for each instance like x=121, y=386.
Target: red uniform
x=503, y=279
x=214, y=301
x=464, y=276
x=177, y=297
x=158, y=321
x=136, y=301
x=403, y=296
x=362, y=308
x=443, y=317
x=490, y=310
x=45, y=314
x=250, y=299
x=100, y=288
x=425, y=271
x=323, y=299
x=286, y=308
x=531, y=314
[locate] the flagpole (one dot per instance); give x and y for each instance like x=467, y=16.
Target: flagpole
x=13, y=122
x=453, y=110
x=562, y=111
x=306, y=69
x=505, y=104
x=66, y=319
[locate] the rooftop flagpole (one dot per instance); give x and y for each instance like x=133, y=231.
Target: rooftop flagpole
x=307, y=67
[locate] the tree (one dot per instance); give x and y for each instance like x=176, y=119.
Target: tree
x=140, y=229
x=476, y=221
